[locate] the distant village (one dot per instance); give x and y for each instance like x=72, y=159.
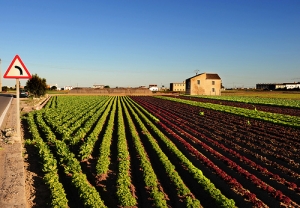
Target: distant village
x=200, y=84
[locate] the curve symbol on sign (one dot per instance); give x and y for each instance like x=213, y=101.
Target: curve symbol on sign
x=21, y=71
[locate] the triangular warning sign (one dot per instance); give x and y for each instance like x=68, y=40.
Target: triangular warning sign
x=17, y=69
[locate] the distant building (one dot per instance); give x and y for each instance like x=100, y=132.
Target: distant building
x=277, y=86
x=270, y=86
x=292, y=85
x=153, y=87
x=68, y=88
x=204, y=84
x=98, y=86
x=177, y=86
x=163, y=88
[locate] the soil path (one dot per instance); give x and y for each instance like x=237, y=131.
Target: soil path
x=18, y=180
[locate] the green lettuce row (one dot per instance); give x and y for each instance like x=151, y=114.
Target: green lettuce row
x=87, y=146
x=87, y=193
x=67, y=129
x=86, y=126
x=61, y=119
x=103, y=162
x=71, y=109
x=65, y=111
x=58, y=195
x=150, y=178
x=182, y=190
x=50, y=102
x=124, y=194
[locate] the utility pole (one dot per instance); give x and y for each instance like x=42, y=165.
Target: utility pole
x=0, y=78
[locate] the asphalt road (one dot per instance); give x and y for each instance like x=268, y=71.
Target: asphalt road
x=5, y=100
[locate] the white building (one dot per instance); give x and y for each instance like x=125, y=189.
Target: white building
x=153, y=87
x=292, y=85
x=98, y=86
x=68, y=88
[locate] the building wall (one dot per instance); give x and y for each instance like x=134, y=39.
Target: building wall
x=268, y=86
x=292, y=86
x=153, y=88
x=200, y=85
x=279, y=86
x=178, y=87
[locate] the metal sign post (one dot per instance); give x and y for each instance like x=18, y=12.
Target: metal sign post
x=17, y=70
x=18, y=108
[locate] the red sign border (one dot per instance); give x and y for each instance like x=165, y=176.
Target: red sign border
x=10, y=66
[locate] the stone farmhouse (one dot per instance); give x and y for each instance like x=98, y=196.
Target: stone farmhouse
x=204, y=84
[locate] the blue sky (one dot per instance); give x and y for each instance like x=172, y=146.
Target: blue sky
x=140, y=42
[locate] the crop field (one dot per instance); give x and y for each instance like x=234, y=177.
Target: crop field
x=295, y=95
x=168, y=151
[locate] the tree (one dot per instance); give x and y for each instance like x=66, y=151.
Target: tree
x=36, y=85
x=4, y=88
x=106, y=86
x=53, y=87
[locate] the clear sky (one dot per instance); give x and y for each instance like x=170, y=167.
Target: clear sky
x=140, y=42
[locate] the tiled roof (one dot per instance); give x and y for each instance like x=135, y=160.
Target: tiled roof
x=212, y=76
x=208, y=76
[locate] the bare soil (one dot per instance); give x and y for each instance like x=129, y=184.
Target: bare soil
x=37, y=193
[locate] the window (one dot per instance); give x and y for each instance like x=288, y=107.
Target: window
x=198, y=82
x=213, y=89
x=213, y=83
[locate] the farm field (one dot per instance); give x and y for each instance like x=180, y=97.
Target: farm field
x=291, y=95
x=145, y=151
